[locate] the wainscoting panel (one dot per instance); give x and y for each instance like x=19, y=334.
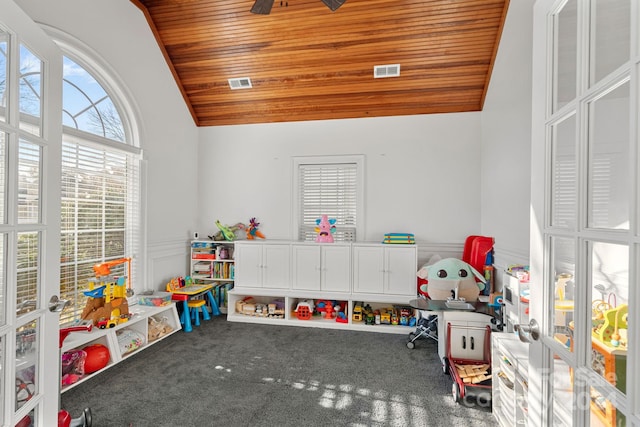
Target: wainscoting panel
x=165, y=260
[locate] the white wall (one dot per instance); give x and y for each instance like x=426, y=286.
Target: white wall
x=506, y=140
x=442, y=177
x=421, y=173
x=118, y=32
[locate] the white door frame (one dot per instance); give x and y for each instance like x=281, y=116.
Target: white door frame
x=543, y=287
x=45, y=402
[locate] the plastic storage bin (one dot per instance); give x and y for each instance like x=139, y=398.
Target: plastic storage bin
x=156, y=299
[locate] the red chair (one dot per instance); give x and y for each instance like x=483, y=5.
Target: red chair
x=476, y=249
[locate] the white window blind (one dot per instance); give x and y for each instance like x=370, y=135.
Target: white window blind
x=564, y=202
x=99, y=209
x=328, y=189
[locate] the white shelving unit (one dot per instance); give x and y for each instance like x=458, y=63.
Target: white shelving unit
x=509, y=360
x=212, y=262
x=269, y=271
x=108, y=337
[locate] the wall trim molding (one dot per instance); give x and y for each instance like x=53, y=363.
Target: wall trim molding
x=162, y=255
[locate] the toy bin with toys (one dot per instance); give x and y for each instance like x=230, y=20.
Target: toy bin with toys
x=155, y=299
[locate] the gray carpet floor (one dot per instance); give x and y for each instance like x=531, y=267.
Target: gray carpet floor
x=238, y=374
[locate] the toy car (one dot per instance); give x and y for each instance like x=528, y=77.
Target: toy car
x=107, y=323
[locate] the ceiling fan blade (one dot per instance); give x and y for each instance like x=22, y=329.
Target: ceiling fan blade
x=333, y=4
x=262, y=7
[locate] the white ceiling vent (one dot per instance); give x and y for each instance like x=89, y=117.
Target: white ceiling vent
x=392, y=70
x=240, y=83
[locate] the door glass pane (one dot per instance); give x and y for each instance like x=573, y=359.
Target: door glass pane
x=29, y=188
x=610, y=294
x=3, y=358
x=564, y=70
x=28, y=272
x=562, y=380
x=3, y=282
x=26, y=362
x=30, y=99
x=609, y=178
x=3, y=177
x=4, y=67
x=563, y=170
x=603, y=411
x=611, y=35
x=563, y=255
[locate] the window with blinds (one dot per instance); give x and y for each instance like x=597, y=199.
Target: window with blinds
x=100, y=187
x=331, y=189
x=99, y=207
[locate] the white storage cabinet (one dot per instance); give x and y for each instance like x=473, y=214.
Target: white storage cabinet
x=262, y=265
x=322, y=271
x=510, y=389
x=321, y=267
x=385, y=269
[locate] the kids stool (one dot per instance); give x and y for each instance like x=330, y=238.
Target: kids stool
x=195, y=307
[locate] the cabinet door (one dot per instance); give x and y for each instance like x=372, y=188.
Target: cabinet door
x=306, y=267
x=467, y=343
x=368, y=269
x=458, y=342
x=276, y=266
x=248, y=260
x=401, y=268
x=475, y=343
x=336, y=269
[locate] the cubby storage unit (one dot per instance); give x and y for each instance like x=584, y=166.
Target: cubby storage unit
x=292, y=272
x=212, y=262
x=109, y=337
x=509, y=360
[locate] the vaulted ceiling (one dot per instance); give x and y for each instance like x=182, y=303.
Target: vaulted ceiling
x=306, y=62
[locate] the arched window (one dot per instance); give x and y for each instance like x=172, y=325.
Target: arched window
x=100, y=184
x=86, y=105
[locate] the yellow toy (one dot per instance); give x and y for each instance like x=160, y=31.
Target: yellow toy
x=357, y=313
x=614, y=320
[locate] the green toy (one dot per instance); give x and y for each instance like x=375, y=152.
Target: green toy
x=451, y=278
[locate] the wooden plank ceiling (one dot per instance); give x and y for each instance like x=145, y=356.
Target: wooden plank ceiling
x=306, y=62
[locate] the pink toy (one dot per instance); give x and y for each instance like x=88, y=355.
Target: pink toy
x=325, y=229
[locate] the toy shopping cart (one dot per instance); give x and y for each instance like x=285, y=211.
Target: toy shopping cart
x=468, y=361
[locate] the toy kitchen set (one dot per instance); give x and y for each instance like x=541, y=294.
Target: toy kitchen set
x=515, y=292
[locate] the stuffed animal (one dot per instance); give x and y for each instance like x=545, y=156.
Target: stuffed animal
x=325, y=229
x=449, y=278
x=227, y=232
x=253, y=231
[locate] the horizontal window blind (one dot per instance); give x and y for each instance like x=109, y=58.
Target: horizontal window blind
x=564, y=202
x=99, y=209
x=328, y=189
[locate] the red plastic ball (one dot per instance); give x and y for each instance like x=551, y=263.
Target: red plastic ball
x=97, y=358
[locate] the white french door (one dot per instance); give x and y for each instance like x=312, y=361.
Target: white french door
x=585, y=242
x=30, y=141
